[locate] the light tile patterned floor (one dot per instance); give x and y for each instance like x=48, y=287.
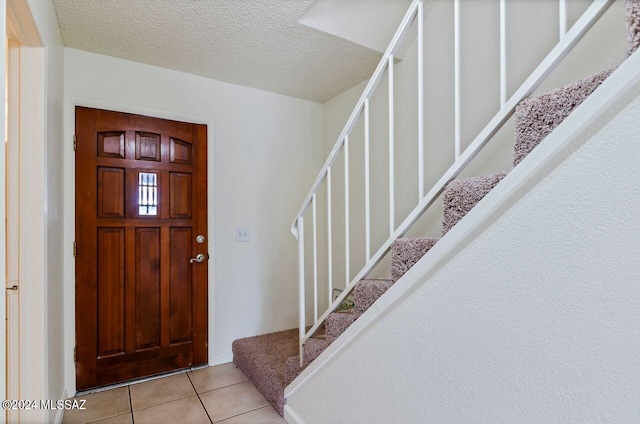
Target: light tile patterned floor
x=220, y=394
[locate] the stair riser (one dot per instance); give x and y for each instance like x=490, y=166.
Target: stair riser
x=338, y=322
x=537, y=117
x=312, y=349
x=367, y=292
x=255, y=358
x=291, y=369
x=405, y=252
x=460, y=196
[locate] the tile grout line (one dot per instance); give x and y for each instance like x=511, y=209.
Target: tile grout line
x=200, y=399
x=224, y=387
x=133, y=421
x=101, y=418
x=166, y=402
x=246, y=412
x=246, y=380
x=163, y=403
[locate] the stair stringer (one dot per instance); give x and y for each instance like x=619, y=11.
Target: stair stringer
x=617, y=92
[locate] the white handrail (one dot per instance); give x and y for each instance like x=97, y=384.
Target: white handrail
x=546, y=66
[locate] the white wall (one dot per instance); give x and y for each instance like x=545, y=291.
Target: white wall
x=532, y=33
x=47, y=23
x=264, y=151
x=535, y=320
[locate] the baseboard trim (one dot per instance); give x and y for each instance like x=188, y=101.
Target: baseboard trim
x=291, y=417
x=60, y=413
x=222, y=358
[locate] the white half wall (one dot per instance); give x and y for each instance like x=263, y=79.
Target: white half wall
x=535, y=320
x=264, y=151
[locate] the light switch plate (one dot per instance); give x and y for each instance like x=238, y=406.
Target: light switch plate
x=243, y=234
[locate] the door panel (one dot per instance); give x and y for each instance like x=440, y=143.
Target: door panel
x=147, y=285
x=180, y=294
x=180, y=151
x=147, y=146
x=111, y=286
x=179, y=189
x=141, y=306
x=110, y=192
x=111, y=144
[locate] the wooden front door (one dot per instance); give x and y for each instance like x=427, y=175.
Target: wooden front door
x=141, y=203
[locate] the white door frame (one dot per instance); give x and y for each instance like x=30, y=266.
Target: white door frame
x=31, y=199
x=12, y=197
x=3, y=194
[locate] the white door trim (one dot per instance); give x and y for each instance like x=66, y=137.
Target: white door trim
x=33, y=239
x=3, y=194
x=12, y=197
x=31, y=198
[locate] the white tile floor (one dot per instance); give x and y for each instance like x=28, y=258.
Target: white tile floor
x=220, y=394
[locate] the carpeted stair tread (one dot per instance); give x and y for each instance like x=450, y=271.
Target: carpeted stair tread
x=262, y=359
x=313, y=347
x=460, y=196
x=338, y=322
x=537, y=116
x=633, y=25
x=405, y=252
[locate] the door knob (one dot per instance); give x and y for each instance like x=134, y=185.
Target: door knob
x=199, y=258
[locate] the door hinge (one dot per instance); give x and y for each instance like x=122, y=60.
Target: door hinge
x=75, y=250
x=75, y=354
x=75, y=143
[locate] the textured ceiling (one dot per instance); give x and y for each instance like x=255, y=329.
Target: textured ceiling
x=256, y=43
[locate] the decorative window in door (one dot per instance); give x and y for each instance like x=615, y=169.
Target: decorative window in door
x=148, y=193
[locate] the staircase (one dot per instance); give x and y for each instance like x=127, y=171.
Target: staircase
x=272, y=361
